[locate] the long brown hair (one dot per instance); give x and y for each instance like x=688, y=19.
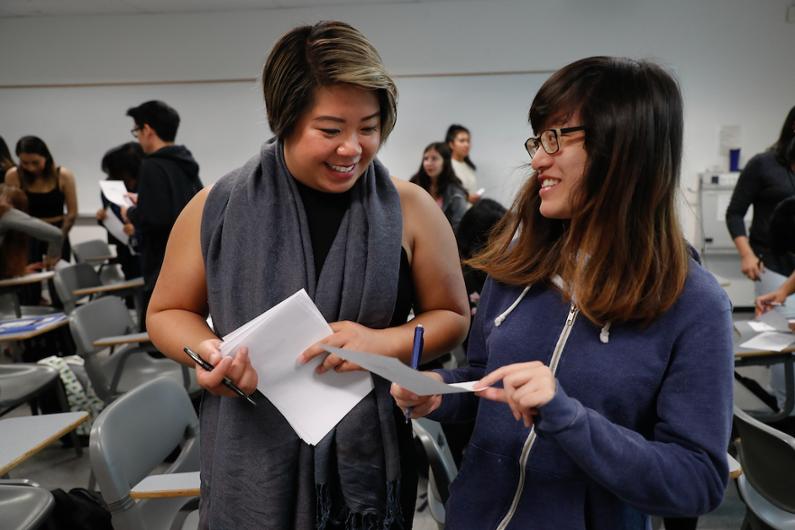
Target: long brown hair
x=35, y=146
x=622, y=254
x=14, y=249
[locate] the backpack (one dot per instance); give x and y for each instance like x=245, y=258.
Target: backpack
x=78, y=510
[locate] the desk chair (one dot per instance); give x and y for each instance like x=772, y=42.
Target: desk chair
x=767, y=485
x=131, y=437
x=81, y=276
x=22, y=383
x=441, y=466
x=25, y=505
x=115, y=372
x=97, y=253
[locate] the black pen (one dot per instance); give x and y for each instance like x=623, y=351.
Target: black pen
x=227, y=382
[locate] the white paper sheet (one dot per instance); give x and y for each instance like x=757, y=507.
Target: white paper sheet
x=114, y=225
x=115, y=191
x=769, y=341
x=312, y=403
x=760, y=327
x=393, y=370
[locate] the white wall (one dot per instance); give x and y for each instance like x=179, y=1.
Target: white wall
x=733, y=59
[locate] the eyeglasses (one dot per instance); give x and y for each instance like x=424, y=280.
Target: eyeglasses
x=549, y=140
x=135, y=130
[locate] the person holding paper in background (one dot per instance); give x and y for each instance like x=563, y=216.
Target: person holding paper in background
x=436, y=176
x=313, y=209
x=122, y=163
x=609, y=347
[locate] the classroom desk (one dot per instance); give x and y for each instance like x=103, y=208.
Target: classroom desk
x=751, y=357
x=99, y=260
x=110, y=288
x=12, y=285
x=29, y=334
x=24, y=436
x=168, y=485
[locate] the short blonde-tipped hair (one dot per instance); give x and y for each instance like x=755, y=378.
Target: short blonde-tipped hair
x=327, y=53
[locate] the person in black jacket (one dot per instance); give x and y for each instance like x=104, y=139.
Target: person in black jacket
x=167, y=180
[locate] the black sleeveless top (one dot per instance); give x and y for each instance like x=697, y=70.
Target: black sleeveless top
x=46, y=204
x=324, y=212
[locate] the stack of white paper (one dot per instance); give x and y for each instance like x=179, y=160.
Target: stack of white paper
x=312, y=403
x=115, y=192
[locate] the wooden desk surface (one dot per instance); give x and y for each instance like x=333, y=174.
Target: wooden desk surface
x=132, y=338
x=24, y=436
x=169, y=485
x=111, y=287
x=27, y=279
x=25, y=335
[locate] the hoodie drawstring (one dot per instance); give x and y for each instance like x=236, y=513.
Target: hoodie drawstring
x=502, y=316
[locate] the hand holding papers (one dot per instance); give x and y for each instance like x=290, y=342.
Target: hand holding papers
x=312, y=403
x=116, y=192
x=393, y=370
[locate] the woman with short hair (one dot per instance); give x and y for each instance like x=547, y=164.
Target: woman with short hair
x=313, y=209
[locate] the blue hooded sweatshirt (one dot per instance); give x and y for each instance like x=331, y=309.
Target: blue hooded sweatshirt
x=639, y=423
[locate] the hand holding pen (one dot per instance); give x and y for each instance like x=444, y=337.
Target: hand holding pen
x=416, y=356
x=226, y=376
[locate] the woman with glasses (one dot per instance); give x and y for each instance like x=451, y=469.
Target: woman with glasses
x=313, y=210
x=436, y=176
x=603, y=350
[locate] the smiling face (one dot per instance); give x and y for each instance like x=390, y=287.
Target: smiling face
x=432, y=163
x=560, y=174
x=336, y=138
x=32, y=163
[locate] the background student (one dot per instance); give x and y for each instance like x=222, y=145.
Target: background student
x=459, y=139
x=313, y=209
x=436, y=176
x=123, y=163
x=50, y=189
x=766, y=180
x=167, y=179
x=6, y=161
x=609, y=346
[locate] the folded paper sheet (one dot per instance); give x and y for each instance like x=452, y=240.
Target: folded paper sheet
x=769, y=341
x=393, y=370
x=313, y=404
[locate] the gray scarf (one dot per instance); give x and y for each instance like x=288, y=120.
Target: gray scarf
x=256, y=472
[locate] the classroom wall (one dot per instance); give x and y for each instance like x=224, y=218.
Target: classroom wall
x=733, y=59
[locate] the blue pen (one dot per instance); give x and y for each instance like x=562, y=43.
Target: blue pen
x=416, y=355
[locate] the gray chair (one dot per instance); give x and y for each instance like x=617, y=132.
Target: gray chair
x=22, y=383
x=132, y=437
x=115, y=372
x=82, y=276
x=24, y=505
x=441, y=466
x=767, y=485
x=97, y=253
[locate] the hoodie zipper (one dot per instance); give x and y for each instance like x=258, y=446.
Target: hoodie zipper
x=531, y=438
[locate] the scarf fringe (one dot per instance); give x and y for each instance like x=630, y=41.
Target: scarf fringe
x=393, y=520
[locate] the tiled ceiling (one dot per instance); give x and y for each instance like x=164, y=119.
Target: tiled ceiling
x=35, y=8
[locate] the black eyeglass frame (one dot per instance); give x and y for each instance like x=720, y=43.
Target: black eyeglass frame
x=135, y=130
x=532, y=143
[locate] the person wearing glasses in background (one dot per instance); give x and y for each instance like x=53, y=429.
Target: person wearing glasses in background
x=603, y=349
x=168, y=179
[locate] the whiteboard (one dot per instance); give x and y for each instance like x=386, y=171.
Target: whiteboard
x=224, y=123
